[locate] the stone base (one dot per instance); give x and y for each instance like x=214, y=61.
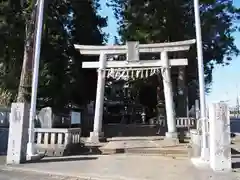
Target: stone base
x=172, y=135
x=36, y=157
x=96, y=137
x=205, y=154
x=31, y=151
x=200, y=163
x=171, y=138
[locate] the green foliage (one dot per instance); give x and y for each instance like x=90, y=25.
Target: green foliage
x=11, y=44
x=86, y=25
x=55, y=57
x=5, y=98
x=62, y=78
x=173, y=20
x=67, y=22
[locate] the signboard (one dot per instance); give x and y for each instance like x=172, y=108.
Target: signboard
x=75, y=117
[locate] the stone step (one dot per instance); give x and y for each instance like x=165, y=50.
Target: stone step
x=169, y=151
x=159, y=151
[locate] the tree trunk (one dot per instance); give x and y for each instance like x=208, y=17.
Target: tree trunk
x=24, y=90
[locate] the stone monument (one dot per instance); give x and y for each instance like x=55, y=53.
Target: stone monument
x=18, y=133
x=45, y=117
x=220, y=140
x=90, y=107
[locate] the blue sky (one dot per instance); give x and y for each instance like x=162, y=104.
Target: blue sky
x=226, y=84
x=112, y=23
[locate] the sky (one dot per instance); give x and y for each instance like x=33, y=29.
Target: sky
x=226, y=83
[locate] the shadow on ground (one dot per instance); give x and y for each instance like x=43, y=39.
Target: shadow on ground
x=234, y=152
x=236, y=165
x=235, y=158
x=52, y=159
x=64, y=159
x=2, y=160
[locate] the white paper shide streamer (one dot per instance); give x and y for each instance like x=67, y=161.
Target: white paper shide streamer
x=131, y=73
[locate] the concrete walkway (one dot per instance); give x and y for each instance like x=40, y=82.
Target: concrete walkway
x=121, y=167
x=20, y=175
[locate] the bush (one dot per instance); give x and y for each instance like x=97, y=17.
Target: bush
x=5, y=97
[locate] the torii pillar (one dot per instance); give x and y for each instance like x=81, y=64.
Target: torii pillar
x=97, y=133
x=168, y=94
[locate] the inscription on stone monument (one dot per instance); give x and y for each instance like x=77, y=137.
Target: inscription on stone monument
x=16, y=115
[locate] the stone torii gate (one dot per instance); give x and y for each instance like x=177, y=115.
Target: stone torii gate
x=133, y=64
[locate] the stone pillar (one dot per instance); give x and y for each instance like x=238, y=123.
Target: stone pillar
x=197, y=109
x=18, y=133
x=198, y=114
x=182, y=94
x=220, y=140
x=98, y=116
x=168, y=94
x=187, y=101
